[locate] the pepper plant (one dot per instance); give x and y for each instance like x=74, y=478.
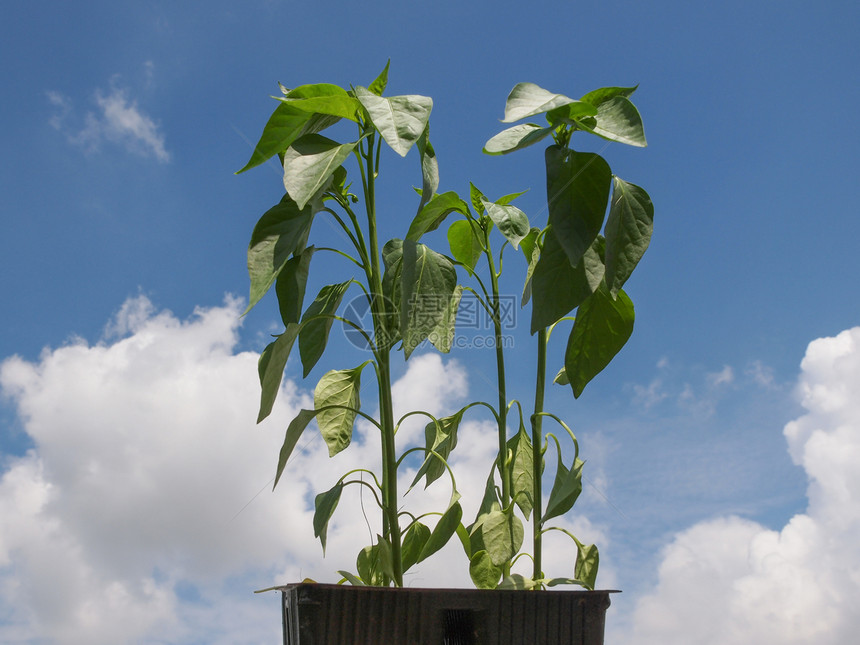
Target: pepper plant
x=410, y=291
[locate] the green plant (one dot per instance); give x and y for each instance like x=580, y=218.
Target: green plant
x=410, y=290
x=413, y=295
x=570, y=265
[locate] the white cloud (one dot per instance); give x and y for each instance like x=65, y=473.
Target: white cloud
x=730, y=581
x=130, y=520
x=117, y=120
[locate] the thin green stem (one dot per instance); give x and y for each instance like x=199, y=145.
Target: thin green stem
x=537, y=457
x=391, y=524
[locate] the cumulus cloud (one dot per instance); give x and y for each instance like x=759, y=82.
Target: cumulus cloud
x=118, y=119
x=730, y=581
x=144, y=512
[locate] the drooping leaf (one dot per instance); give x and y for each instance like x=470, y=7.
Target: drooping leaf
x=628, y=231
x=339, y=388
x=384, y=556
x=565, y=488
x=483, y=572
x=429, y=168
x=352, y=579
x=617, y=120
x=442, y=335
x=503, y=536
x=516, y=138
x=434, y=213
x=522, y=471
x=400, y=119
x=369, y=567
x=428, y=283
x=324, y=506
x=464, y=243
x=309, y=164
x=278, y=234
x=444, y=529
x=381, y=82
x=603, y=324
x=577, y=194
x=510, y=220
x=414, y=539
x=556, y=286
x=286, y=124
x=271, y=366
x=528, y=99
x=294, y=432
x=531, y=250
x=489, y=504
x=290, y=286
x=441, y=437
x=317, y=322
x=587, y=563
x=392, y=258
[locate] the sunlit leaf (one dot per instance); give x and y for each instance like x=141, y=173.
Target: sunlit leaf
x=339, y=388
x=503, y=536
x=587, y=563
x=429, y=168
x=414, y=539
x=522, y=471
x=444, y=529
x=464, y=243
x=516, y=138
x=510, y=220
x=309, y=164
x=434, y=213
x=528, y=99
x=565, y=488
x=618, y=120
x=440, y=437
x=381, y=82
x=400, y=119
x=483, y=572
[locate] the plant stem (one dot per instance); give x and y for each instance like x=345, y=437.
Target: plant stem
x=503, y=399
x=537, y=456
x=391, y=524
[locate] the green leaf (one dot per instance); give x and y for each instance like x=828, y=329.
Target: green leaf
x=527, y=99
x=309, y=164
x=434, y=213
x=516, y=138
x=587, y=563
x=286, y=124
x=442, y=335
x=317, y=322
x=415, y=538
x=290, y=286
x=510, y=220
x=428, y=284
x=596, y=97
x=477, y=198
x=531, y=250
x=339, y=388
x=603, y=324
x=618, y=120
x=278, y=234
x=400, y=119
x=294, y=432
x=381, y=82
x=323, y=99
x=352, y=579
x=518, y=582
x=503, y=536
x=324, y=505
x=557, y=286
x=385, y=560
x=561, y=377
x=429, y=168
x=369, y=566
x=392, y=258
x=464, y=243
x=444, y=529
x=441, y=437
x=483, y=572
x=628, y=231
x=577, y=192
x=271, y=366
x=522, y=471
x=566, y=487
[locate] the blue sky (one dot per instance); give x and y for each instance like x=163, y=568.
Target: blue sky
x=122, y=259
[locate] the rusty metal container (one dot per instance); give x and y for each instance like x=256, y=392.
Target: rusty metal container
x=322, y=614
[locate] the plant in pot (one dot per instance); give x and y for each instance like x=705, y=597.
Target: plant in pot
x=412, y=295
